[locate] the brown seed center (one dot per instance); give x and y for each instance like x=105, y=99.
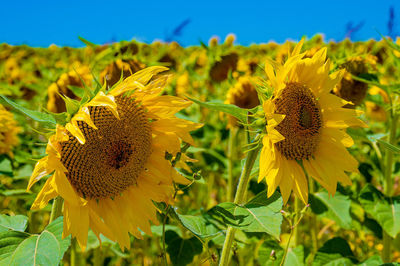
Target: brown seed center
x=301, y=126
x=114, y=155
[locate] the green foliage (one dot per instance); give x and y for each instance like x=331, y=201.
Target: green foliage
x=199, y=226
x=181, y=251
x=231, y=109
x=35, y=115
x=336, y=208
x=335, y=251
x=20, y=248
x=15, y=223
x=261, y=214
x=385, y=210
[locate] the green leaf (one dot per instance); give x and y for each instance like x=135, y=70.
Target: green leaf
x=182, y=251
x=372, y=261
x=88, y=43
x=385, y=210
x=9, y=241
x=48, y=248
x=231, y=109
x=335, y=251
x=78, y=91
x=389, y=146
x=336, y=208
x=198, y=225
x=15, y=223
x=295, y=256
x=5, y=167
x=42, y=249
x=271, y=254
x=35, y=115
x=261, y=214
x=56, y=228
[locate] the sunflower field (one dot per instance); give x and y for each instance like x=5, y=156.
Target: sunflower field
x=217, y=154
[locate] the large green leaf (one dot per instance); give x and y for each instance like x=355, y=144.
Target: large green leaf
x=35, y=115
x=231, y=109
x=56, y=228
x=16, y=223
x=335, y=251
x=199, y=226
x=181, y=251
x=42, y=249
x=385, y=210
x=336, y=208
x=261, y=214
x=9, y=242
x=47, y=248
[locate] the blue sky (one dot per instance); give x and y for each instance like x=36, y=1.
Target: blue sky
x=41, y=23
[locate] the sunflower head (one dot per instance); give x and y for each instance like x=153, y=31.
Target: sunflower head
x=73, y=78
x=213, y=42
x=350, y=89
x=305, y=132
x=230, y=39
x=113, y=72
x=109, y=161
x=8, y=132
x=220, y=69
x=375, y=111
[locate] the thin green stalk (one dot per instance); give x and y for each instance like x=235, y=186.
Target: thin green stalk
x=296, y=231
x=163, y=237
x=313, y=220
x=231, y=146
x=239, y=199
x=74, y=255
x=293, y=223
x=287, y=245
x=388, y=185
x=56, y=209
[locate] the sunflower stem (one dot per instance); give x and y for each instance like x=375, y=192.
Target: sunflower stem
x=74, y=257
x=313, y=220
x=239, y=199
x=295, y=229
x=56, y=209
x=231, y=146
x=388, y=185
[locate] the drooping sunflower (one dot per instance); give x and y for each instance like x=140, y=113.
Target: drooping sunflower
x=8, y=131
x=74, y=77
x=306, y=127
x=109, y=162
x=242, y=94
x=112, y=73
x=350, y=89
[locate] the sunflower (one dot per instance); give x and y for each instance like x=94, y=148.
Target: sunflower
x=74, y=78
x=306, y=127
x=242, y=94
x=112, y=73
x=375, y=111
x=350, y=89
x=8, y=131
x=109, y=161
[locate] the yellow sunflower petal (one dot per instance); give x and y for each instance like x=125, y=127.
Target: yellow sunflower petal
x=45, y=195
